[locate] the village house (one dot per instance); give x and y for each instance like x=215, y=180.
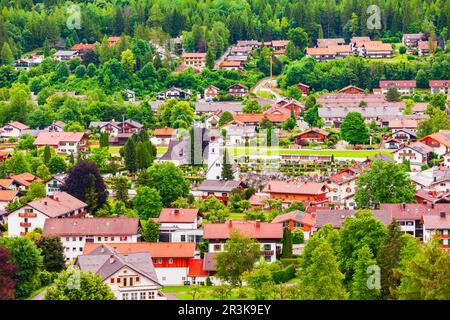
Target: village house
x=19, y=181
x=392, y=143
x=66, y=55
x=373, y=50
x=303, y=88
x=435, y=179
x=326, y=42
x=269, y=236
x=238, y=90
x=440, y=86
x=54, y=184
x=237, y=133
x=297, y=220
x=194, y=59
x=56, y=126
x=114, y=128
x=212, y=121
x=35, y=213
x=76, y=232
x=196, y=273
x=410, y=216
x=403, y=86
x=351, y=90
x=13, y=129
x=6, y=197
x=279, y=44
x=180, y=225
x=426, y=196
x=411, y=40
x=170, y=259
x=254, y=119
x=130, y=276
x=439, y=224
x=28, y=63
x=339, y=100
x=211, y=92
x=333, y=116
x=220, y=189
x=289, y=191
x=439, y=142
x=313, y=135
x=162, y=137
x=241, y=51
x=403, y=124
x=417, y=154
x=64, y=143
x=112, y=41
x=424, y=48
x=337, y=217
x=174, y=93
x=329, y=53
x=216, y=160
x=289, y=104
x=248, y=43
x=419, y=108
x=231, y=65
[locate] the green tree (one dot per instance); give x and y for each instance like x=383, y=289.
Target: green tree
x=150, y=230
x=57, y=164
x=227, y=170
x=43, y=172
x=27, y=257
x=76, y=285
x=321, y=279
x=393, y=95
x=6, y=54
x=225, y=118
x=169, y=180
x=353, y=129
x=52, y=252
x=239, y=255
x=147, y=202
x=251, y=106
x=438, y=120
x=121, y=189
x=427, y=275
x=129, y=154
x=128, y=61
x=260, y=280
x=210, y=58
x=384, y=182
x=361, y=286
x=287, y=243
x=47, y=155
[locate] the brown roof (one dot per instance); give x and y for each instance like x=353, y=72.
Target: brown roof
x=375, y=46
x=82, y=47
x=309, y=188
x=176, y=215
x=59, y=204
x=403, y=123
x=25, y=179
x=252, y=229
x=8, y=195
x=156, y=249
x=194, y=55
x=437, y=222
x=165, y=132
x=439, y=83
x=398, y=83
x=337, y=217
x=18, y=125
x=413, y=211
x=317, y=130
x=209, y=262
x=296, y=215
x=5, y=183
x=230, y=64
x=442, y=136
x=54, y=138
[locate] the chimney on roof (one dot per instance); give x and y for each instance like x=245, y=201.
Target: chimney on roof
x=258, y=223
x=432, y=206
x=442, y=214
x=176, y=211
x=45, y=203
x=434, y=178
x=403, y=206
x=111, y=259
x=50, y=196
x=230, y=223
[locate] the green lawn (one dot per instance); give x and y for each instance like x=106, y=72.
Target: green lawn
x=337, y=153
x=181, y=292
x=236, y=216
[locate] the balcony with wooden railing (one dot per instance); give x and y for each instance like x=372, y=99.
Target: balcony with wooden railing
x=267, y=252
x=25, y=224
x=27, y=215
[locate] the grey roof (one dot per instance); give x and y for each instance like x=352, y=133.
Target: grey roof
x=367, y=112
x=219, y=185
x=337, y=217
x=241, y=131
x=431, y=176
x=209, y=262
x=104, y=261
x=205, y=107
x=99, y=124
x=32, y=132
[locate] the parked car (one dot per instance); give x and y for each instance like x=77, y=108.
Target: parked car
x=317, y=148
x=369, y=148
x=357, y=148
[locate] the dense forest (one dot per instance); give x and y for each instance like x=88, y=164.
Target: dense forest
x=26, y=24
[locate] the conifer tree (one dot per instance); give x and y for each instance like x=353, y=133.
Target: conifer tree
x=227, y=172
x=362, y=288
x=287, y=243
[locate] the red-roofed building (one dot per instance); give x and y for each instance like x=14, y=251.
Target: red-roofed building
x=83, y=47
x=211, y=92
x=194, y=59
x=439, y=142
x=162, y=137
x=269, y=235
x=256, y=118
x=290, y=104
x=440, y=86
x=303, y=88
x=238, y=90
x=351, y=90
x=439, y=224
x=297, y=220
x=403, y=86
x=289, y=191
x=231, y=65
x=65, y=143
x=13, y=129
x=313, y=135
x=417, y=153
x=180, y=225
x=170, y=259
x=7, y=196
x=112, y=41
x=196, y=274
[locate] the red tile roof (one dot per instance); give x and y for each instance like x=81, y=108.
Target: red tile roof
x=194, y=55
x=156, y=249
x=59, y=204
x=5, y=183
x=164, y=132
x=257, y=117
x=413, y=211
x=82, y=47
x=298, y=216
x=8, y=195
x=437, y=222
x=91, y=226
x=438, y=83
x=398, y=83
x=252, y=229
x=286, y=187
x=18, y=125
x=25, y=179
x=442, y=136
x=175, y=215
x=196, y=268
x=54, y=138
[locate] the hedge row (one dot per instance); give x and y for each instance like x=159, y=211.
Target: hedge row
x=284, y=275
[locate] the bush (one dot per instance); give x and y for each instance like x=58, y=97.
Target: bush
x=209, y=282
x=46, y=277
x=288, y=261
x=284, y=275
x=298, y=237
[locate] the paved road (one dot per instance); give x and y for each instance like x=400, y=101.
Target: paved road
x=264, y=85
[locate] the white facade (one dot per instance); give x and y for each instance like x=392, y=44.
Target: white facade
x=74, y=245
x=52, y=186
x=342, y=195
x=215, y=161
x=415, y=158
x=127, y=284
x=172, y=276
x=446, y=160
x=69, y=147
x=9, y=131
x=268, y=249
